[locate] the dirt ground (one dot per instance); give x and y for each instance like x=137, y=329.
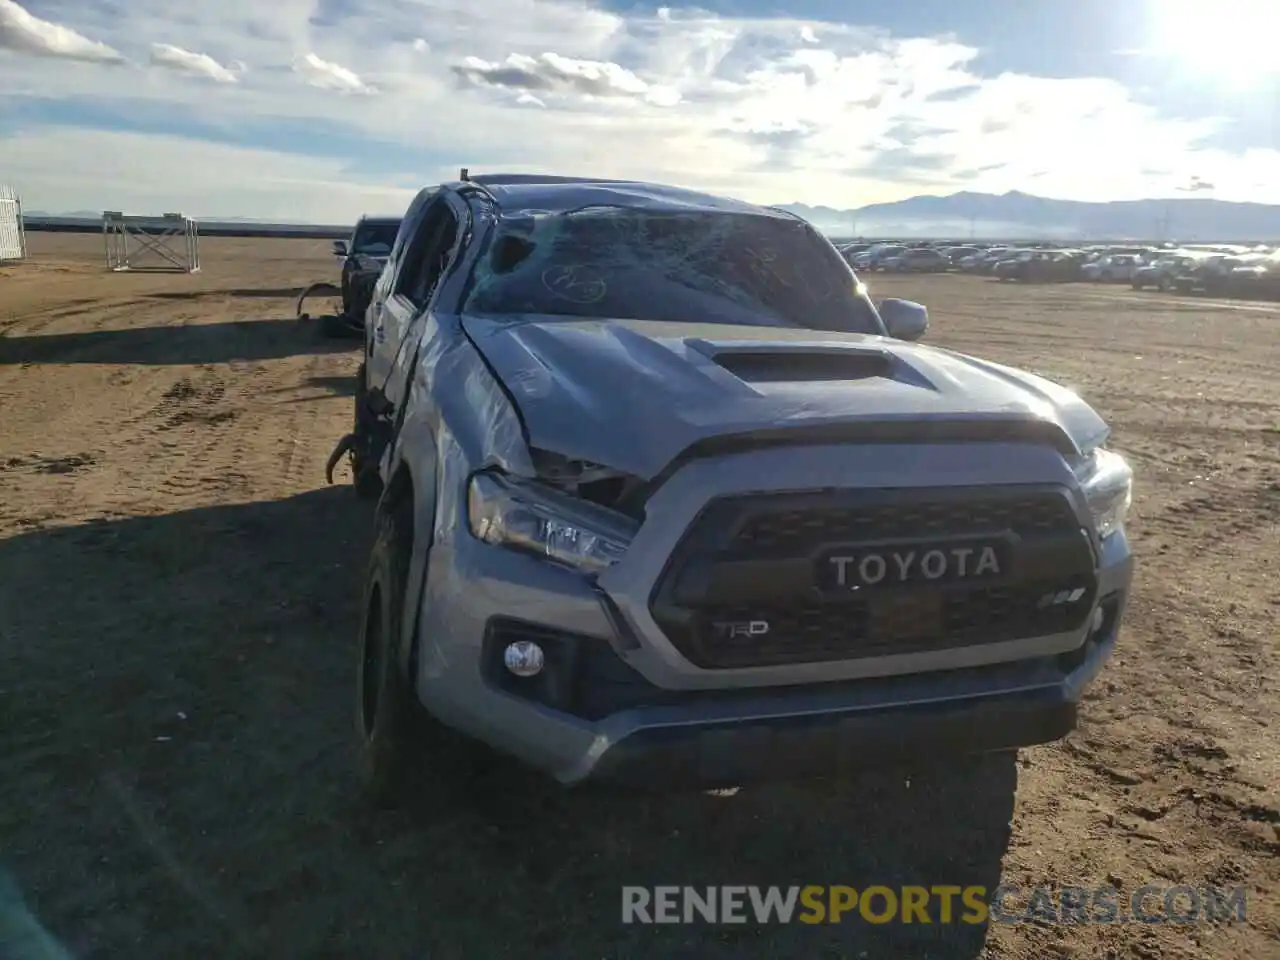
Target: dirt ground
x=178, y=594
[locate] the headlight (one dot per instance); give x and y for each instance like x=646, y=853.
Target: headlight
x=508, y=512
x=1107, y=483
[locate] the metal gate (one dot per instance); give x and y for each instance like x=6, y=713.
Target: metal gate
x=13, y=240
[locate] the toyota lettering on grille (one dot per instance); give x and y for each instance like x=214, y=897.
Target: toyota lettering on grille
x=894, y=565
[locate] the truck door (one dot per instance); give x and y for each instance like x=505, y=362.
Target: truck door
x=385, y=285
x=422, y=263
x=403, y=289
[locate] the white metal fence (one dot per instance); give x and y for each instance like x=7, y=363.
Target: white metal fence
x=13, y=239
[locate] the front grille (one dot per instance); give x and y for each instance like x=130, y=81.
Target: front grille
x=796, y=528
x=788, y=532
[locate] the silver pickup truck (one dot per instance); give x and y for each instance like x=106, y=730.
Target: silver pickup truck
x=665, y=499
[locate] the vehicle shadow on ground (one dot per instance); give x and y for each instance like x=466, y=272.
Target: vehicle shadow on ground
x=330, y=387
x=265, y=292
x=176, y=780
x=165, y=345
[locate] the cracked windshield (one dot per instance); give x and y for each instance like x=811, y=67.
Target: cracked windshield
x=582, y=480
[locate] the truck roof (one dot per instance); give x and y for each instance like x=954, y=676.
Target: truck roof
x=518, y=194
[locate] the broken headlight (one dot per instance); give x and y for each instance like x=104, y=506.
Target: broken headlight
x=1107, y=483
x=529, y=516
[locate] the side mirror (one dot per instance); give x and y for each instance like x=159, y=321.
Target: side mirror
x=904, y=319
x=339, y=248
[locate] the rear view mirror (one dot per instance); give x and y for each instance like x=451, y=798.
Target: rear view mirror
x=339, y=248
x=904, y=319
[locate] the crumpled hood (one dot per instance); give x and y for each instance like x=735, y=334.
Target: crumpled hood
x=633, y=394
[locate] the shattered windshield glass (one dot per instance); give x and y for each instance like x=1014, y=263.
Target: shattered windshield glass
x=620, y=263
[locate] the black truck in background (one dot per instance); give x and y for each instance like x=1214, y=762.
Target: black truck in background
x=364, y=256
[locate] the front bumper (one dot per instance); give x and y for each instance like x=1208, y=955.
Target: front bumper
x=645, y=715
x=793, y=733
x=834, y=743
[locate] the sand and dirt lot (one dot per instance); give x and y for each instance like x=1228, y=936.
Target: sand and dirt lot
x=178, y=596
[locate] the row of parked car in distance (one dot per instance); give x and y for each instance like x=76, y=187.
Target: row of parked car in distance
x=1219, y=270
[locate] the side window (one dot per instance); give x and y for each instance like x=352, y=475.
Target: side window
x=440, y=255
x=412, y=217
x=425, y=257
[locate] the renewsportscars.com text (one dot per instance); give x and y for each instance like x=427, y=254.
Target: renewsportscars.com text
x=940, y=903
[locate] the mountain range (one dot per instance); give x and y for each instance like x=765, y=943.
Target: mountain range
x=1015, y=214
x=97, y=215
x=1008, y=216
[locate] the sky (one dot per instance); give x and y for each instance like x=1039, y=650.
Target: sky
x=320, y=110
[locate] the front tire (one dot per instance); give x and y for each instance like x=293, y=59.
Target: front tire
x=386, y=713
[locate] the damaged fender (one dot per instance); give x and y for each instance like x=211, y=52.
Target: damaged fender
x=457, y=420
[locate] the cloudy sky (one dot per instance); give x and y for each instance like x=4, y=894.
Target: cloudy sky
x=318, y=110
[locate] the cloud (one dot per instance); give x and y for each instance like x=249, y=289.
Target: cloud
x=330, y=76
x=185, y=61
x=1197, y=185
x=774, y=109
x=553, y=73
x=910, y=166
x=150, y=174
x=21, y=31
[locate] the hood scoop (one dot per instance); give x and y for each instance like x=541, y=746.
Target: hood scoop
x=797, y=362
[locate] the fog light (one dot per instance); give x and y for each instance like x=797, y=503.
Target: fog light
x=1097, y=621
x=524, y=658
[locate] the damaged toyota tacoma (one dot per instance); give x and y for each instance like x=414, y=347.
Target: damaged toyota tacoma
x=665, y=499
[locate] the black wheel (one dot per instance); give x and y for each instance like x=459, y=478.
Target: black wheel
x=1165, y=284
x=388, y=719
x=398, y=739
x=364, y=472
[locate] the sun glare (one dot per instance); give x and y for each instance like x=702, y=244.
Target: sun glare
x=1224, y=41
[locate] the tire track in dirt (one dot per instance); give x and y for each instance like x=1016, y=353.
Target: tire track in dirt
x=196, y=423
x=181, y=431
x=1187, y=305
x=209, y=436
